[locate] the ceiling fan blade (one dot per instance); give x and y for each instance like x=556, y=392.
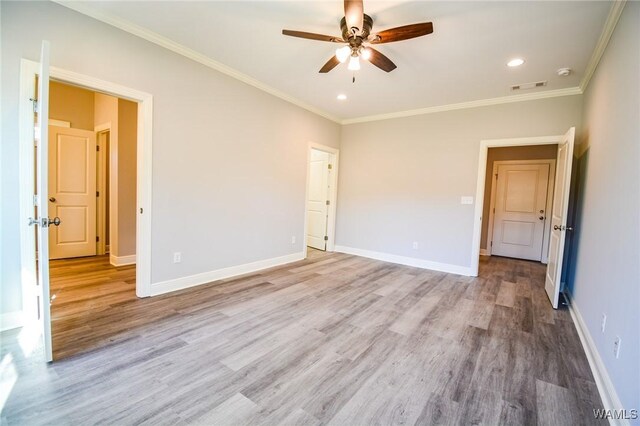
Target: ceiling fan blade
x=312, y=36
x=354, y=14
x=402, y=33
x=381, y=61
x=331, y=64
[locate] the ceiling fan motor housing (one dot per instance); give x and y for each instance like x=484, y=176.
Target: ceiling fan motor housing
x=367, y=23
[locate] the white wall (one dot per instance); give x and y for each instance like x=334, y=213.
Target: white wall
x=229, y=161
x=605, y=277
x=401, y=179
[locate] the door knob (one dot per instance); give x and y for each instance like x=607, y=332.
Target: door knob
x=541, y=218
x=55, y=221
x=557, y=228
x=52, y=199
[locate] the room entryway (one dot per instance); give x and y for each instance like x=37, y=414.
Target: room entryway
x=321, y=197
x=521, y=194
x=92, y=190
x=522, y=204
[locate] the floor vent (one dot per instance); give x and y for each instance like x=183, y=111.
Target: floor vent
x=525, y=86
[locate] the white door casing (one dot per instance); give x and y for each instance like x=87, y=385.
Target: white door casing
x=559, y=217
x=520, y=210
x=42, y=162
x=72, y=192
x=317, y=208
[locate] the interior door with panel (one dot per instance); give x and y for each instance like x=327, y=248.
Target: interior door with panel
x=520, y=210
x=72, y=192
x=317, y=208
x=42, y=220
x=559, y=227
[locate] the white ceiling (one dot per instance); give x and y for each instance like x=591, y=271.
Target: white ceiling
x=463, y=60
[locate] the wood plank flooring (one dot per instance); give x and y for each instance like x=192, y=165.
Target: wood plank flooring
x=334, y=339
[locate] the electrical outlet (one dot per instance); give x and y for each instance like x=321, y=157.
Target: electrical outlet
x=603, y=324
x=293, y=239
x=177, y=257
x=416, y=246
x=616, y=347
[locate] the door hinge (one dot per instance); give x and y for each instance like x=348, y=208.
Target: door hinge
x=35, y=104
x=97, y=239
x=494, y=210
x=496, y=176
x=97, y=147
x=491, y=244
x=330, y=167
x=326, y=238
x=97, y=193
x=35, y=200
x=328, y=202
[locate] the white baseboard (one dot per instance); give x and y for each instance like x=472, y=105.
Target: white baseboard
x=409, y=261
x=11, y=320
x=122, y=260
x=219, y=274
x=484, y=252
x=605, y=386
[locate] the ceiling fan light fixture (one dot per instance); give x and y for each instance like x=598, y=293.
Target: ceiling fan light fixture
x=354, y=63
x=343, y=53
x=366, y=54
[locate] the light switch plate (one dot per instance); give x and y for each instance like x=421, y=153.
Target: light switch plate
x=466, y=200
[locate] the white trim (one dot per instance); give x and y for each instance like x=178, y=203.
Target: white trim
x=11, y=320
x=122, y=260
x=334, y=154
x=466, y=105
x=485, y=252
x=605, y=386
x=219, y=274
x=603, y=41
x=403, y=260
x=180, y=49
x=144, y=163
x=482, y=173
x=59, y=123
x=102, y=188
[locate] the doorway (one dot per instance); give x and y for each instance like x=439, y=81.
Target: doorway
x=92, y=190
x=35, y=286
x=518, y=197
x=556, y=216
x=321, y=195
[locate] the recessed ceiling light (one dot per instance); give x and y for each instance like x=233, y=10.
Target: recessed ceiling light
x=342, y=97
x=515, y=62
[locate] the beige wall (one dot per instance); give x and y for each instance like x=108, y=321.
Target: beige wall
x=534, y=152
x=127, y=154
x=229, y=160
x=401, y=180
x=604, y=275
x=70, y=103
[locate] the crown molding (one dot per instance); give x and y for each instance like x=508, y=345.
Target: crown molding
x=466, y=105
x=603, y=41
x=159, y=40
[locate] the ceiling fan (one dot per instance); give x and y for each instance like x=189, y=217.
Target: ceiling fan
x=356, y=33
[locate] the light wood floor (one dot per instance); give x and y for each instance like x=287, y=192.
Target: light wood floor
x=334, y=339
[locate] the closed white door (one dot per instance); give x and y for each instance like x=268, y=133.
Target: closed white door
x=72, y=192
x=559, y=227
x=317, y=202
x=520, y=210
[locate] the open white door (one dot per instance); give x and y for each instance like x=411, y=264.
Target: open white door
x=317, y=202
x=559, y=228
x=43, y=222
